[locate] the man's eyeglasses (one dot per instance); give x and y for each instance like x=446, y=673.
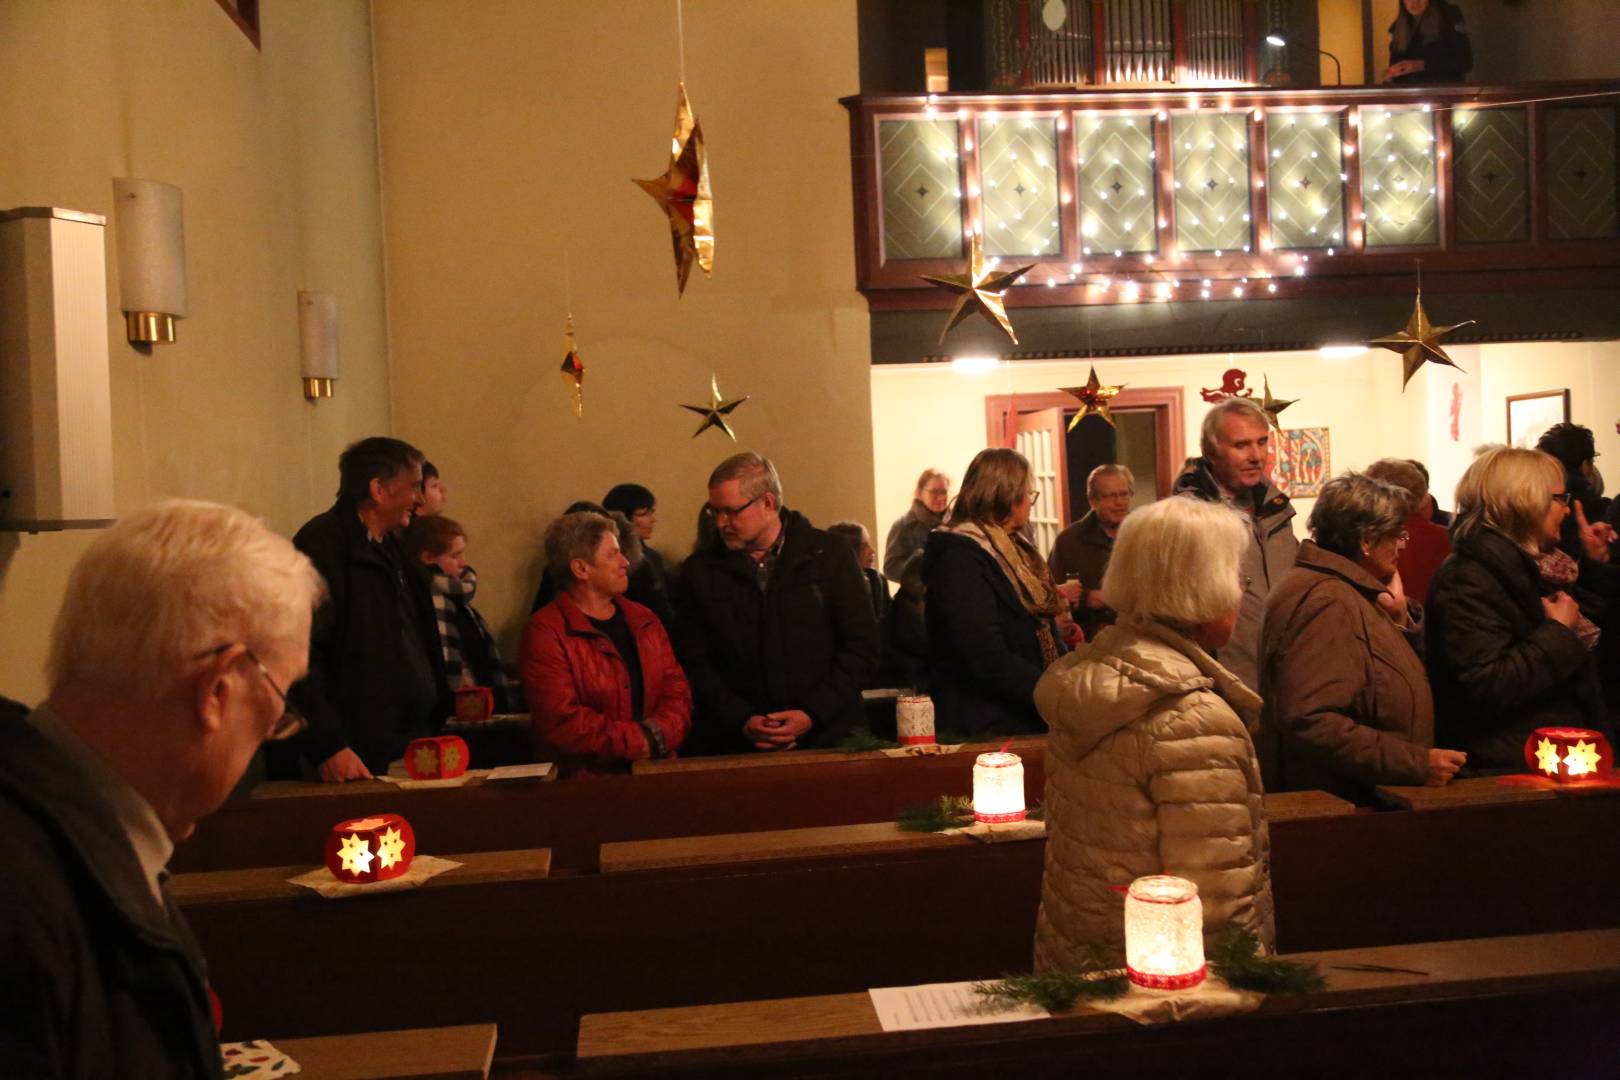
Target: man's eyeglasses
x=292, y=721
x=717, y=513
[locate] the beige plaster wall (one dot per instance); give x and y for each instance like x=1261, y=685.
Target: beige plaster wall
x=275, y=151
x=510, y=132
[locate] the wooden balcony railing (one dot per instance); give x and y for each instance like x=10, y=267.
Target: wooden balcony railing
x=1157, y=195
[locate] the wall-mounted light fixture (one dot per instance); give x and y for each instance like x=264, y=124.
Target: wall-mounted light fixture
x=149, y=226
x=318, y=343
x=1277, y=40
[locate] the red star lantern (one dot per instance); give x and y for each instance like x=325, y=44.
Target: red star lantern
x=1565, y=754
x=370, y=849
x=441, y=757
x=474, y=704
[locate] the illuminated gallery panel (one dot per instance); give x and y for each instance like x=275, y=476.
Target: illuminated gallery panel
x=1491, y=175
x=1307, y=178
x=1119, y=204
x=1018, y=185
x=1211, y=153
x=922, y=189
x=1581, y=172
x=1397, y=177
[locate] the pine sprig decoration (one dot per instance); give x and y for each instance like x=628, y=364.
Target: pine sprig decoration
x=945, y=812
x=862, y=741
x=1056, y=991
x=1235, y=957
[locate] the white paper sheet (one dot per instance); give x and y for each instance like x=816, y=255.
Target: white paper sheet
x=937, y=1005
x=513, y=773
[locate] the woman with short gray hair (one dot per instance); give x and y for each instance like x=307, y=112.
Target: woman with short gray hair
x=1341, y=654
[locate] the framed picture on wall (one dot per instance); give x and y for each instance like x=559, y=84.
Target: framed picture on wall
x=1529, y=415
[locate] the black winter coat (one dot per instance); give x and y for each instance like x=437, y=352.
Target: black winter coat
x=1499, y=667
x=809, y=641
x=96, y=979
x=984, y=655
x=1446, y=58
x=374, y=660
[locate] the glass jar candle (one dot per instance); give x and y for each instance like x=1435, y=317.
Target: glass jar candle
x=1164, y=933
x=998, y=788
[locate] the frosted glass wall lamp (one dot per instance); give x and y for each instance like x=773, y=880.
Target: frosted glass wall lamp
x=150, y=230
x=318, y=343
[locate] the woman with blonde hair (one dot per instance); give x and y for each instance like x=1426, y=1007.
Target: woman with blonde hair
x=992, y=604
x=1150, y=768
x=1508, y=650
x=910, y=530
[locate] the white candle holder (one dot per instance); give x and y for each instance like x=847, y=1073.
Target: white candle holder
x=1164, y=933
x=914, y=720
x=998, y=788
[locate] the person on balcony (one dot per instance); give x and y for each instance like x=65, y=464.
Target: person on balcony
x=1428, y=43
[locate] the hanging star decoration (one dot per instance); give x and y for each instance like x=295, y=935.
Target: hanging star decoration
x=1547, y=757
x=356, y=855
x=715, y=412
x=1094, y=398
x=427, y=761
x=1419, y=341
x=390, y=849
x=683, y=194
x=1581, y=759
x=1271, y=406
x=979, y=290
x=573, y=369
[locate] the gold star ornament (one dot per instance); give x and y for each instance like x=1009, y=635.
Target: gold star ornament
x=573, y=369
x=1419, y=342
x=715, y=412
x=683, y=194
x=1093, y=398
x=979, y=290
x=1271, y=406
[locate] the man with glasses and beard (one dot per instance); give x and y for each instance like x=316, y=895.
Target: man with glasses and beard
x=776, y=631
x=181, y=628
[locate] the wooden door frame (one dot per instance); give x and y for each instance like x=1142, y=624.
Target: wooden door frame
x=1169, y=420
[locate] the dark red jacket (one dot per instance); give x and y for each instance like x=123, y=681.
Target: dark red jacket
x=1427, y=546
x=578, y=688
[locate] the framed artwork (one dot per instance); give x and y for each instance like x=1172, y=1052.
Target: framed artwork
x=1304, y=462
x=1528, y=415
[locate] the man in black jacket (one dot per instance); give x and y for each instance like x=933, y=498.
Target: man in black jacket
x=373, y=657
x=180, y=628
x=777, y=634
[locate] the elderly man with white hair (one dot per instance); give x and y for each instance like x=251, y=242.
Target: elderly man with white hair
x=181, y=629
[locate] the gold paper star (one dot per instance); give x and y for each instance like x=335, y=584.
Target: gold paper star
x=355, y=855
x=1272, y=406
x=427, y=760
x=715, y=412
x=1093, y=398
x=452, y=758
x=390, y=849
x=1581, y=759
x=573, y=369
x=683, y=194
x=1547, y=757
x=1419, y=341
x=978, y=290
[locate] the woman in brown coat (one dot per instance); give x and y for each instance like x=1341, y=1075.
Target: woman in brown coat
x=1341, y=670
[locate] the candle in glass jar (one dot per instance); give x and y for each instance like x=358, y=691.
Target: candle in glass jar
x=1164, y=933
x=998, y=788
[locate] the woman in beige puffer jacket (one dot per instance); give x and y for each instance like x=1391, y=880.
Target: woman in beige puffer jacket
x=1150, y=768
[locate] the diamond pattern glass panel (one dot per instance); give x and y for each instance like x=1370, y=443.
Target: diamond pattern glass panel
x=1306, y=180
x=1397, y=177
x=1491, y=174
x=1118, y=191
x=922, y=191
x=1018, y=185
x=1581, y=173
x=1211, y=152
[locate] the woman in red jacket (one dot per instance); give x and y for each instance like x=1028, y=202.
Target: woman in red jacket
x=603, y=684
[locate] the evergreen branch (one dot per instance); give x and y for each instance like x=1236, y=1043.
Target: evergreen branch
x=862, y=741
x=1056, y=991
x=946, y=812
x=1235, y=957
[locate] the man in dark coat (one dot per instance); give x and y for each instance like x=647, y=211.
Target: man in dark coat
x=148, y=724
x=776, y=630
x=1081, y=551
x=373, y=656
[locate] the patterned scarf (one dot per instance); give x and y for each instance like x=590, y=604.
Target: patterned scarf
x=450, y=597
x=1559, y=571
x=1028, y=573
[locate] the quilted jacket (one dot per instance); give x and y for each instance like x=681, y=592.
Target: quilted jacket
x=1149, y=770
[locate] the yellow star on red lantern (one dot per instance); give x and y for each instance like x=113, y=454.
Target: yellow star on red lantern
x=427, y=760
x=355, y=855
x=715, y=412
x=1547, y=757
x=452, y=758
x=1094, y=398
x=683, y=194
x=573, y=369
x=978, y=290
x=1272, y=406
x=1581, y=759
x=390, y=849
x=1419, y=341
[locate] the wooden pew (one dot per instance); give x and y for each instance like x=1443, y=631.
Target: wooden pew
x=452, y=1053
x=1541, y=1003
x=534, y=955
x=288, y=822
